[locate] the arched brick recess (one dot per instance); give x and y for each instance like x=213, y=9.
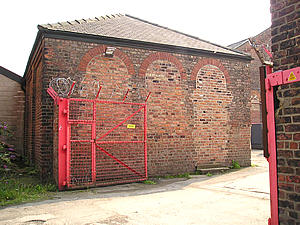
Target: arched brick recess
x=100, y=51
x=161, y=56
x=211, y=100
x=112, y=74
x=168, y=130
x=209, y=61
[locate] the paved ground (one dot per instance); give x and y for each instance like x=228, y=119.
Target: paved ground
x=240, y=197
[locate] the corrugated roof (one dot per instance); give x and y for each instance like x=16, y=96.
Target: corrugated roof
x=131, y=28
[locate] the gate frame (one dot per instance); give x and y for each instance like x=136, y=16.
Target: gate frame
x=268, y=81
x=64, y=126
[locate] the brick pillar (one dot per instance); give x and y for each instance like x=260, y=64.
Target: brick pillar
x=285, y=48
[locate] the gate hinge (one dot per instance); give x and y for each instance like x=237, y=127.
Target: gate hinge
x=64, y=147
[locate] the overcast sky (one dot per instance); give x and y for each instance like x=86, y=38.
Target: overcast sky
x=218, y=21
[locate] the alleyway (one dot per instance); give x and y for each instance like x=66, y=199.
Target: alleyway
x=239, y=197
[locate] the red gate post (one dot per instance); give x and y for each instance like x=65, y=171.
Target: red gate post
x=145, y=136
x=272, y=159
x=62, y=137
x=272, y=80
x=93, y=141
x=63, y=143
x=145, y=140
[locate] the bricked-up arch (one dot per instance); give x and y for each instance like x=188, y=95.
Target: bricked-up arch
x=209, y=61
x=112, y=74
x=168, y=129
x=211, y=100
x=100, y=51
x=162, y=56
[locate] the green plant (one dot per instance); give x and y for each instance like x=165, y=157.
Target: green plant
x=149, y=182
x=5, y=133
x=7, y=153
x=254, y=165
x=183, y=175
x=197, y=172
x=13, y=191
x=209, y=174
x=235, y=165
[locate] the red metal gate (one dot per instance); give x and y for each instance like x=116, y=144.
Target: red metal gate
x=100, y=142
x=267, y=86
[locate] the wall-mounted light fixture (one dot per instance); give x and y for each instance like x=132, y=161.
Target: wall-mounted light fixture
x=109, y=51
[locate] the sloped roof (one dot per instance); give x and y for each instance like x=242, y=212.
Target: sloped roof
x=10, y=75
x=237, y=44
x=240, y=43
x=131, y=28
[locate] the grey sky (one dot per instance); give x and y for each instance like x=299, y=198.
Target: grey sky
x=219, y=21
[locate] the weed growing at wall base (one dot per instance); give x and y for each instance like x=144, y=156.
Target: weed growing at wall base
x=149, y=182
x=235, y=165
x=13, y=191
x=209, y=174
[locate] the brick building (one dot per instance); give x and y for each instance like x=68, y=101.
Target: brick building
x=12, y=99
x=286, y=53
x=198, y=112
x=261, y=41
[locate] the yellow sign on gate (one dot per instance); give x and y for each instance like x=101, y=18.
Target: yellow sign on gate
x=131, y=126
x=292, y=77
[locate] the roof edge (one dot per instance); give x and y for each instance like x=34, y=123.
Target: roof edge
x=11, y=75
x=34, y=47
x=132, y=43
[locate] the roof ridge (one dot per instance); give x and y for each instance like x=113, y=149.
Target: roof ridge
x=188, y=35
x=83, y=20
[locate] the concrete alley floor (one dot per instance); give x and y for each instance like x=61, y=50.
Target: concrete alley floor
x=240, y=197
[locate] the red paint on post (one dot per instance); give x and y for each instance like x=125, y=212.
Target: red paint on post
x=275, y=79
x=272, y=154
x=145, y=138
x=62, y=144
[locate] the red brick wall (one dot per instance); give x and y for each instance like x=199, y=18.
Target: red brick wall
x=288, y=157
x=285, y=33
x=38, y=154
x=285, y=47
x=34, y=142
x=211, y=102
x=28, y=142
x=185, y=129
